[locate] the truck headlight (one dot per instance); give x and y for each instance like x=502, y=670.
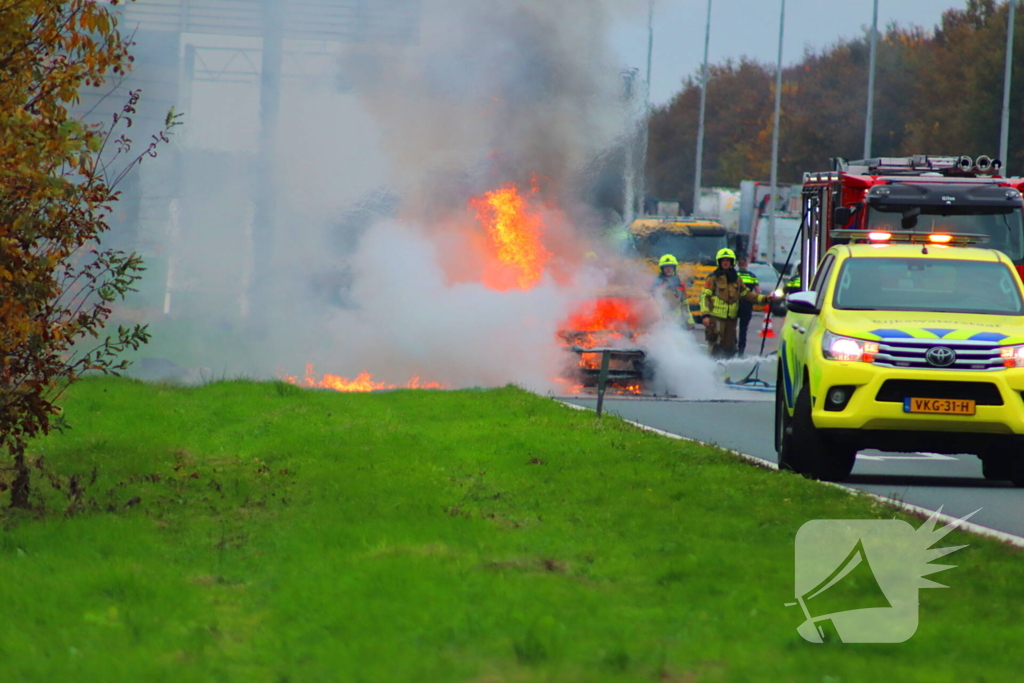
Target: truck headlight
x=1013, y=356
x=851, y=350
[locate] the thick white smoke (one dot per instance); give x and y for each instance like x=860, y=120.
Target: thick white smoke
x=681, y=369
x=412, y=321
x=377, y=255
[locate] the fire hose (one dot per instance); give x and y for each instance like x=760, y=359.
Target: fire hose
x=752, y=376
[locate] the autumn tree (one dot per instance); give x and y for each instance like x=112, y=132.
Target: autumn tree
x=936, y=92
x=57, y=184
x=739, y=109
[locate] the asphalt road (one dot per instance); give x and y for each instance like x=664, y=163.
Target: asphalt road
x=745, y=424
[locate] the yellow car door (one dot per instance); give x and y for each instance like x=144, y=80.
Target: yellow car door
x=802, y=327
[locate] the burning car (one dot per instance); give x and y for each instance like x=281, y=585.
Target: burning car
x=615, y=319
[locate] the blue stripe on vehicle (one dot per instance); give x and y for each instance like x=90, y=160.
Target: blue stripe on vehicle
x=937, y=332
x=892, y=334
x=787, y=383
x=988, y=336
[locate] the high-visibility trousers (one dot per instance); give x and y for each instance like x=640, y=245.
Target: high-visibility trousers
x=720, y=334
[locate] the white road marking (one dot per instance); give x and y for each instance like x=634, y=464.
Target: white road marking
x=912, y=456
x=1003, y=536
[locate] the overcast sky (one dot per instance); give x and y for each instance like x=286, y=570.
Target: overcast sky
x=751, y=28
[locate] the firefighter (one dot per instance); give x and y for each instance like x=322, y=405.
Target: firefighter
x=746, y=308
x=720, y=304
x=667, y=285
x=794, y=284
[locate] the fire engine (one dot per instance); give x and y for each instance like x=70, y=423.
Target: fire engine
x=918, y=193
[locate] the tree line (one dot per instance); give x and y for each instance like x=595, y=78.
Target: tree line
x=937, y=92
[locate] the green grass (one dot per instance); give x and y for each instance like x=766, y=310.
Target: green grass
x=290, y=535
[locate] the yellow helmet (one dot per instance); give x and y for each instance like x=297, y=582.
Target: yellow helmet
x=725, y=253
x=667, y=260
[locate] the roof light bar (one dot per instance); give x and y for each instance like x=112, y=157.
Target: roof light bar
x=876, y=236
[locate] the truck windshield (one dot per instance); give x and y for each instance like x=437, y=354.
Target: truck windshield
x=1004, y=228
x=686, y=248
x=934, y=285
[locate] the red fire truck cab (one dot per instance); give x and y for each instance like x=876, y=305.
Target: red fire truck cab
x=929, y=194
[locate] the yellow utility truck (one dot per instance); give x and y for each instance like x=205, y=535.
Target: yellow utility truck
x=693, y=241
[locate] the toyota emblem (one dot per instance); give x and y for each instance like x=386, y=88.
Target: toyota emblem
x=940, y=356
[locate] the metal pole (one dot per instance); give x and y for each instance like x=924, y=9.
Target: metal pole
x=265, y=218
x=700, y=125
x=1004, y=133
x=602, y=380
x=641, y=180
x=868, y=122
x=775, y=140
x=634, y=127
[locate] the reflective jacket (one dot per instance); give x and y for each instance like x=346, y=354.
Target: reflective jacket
x=749, y=279
x=670, y=284
x=720, y=299
x=674, y=292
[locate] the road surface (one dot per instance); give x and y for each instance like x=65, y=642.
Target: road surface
x=929, y=481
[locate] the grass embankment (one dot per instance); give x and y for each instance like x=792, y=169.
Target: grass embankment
x=258, y=532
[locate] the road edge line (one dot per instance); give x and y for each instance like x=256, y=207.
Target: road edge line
x=978, y=529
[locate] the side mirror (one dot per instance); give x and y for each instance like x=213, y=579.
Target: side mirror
x=841, y=215
x=803, y=302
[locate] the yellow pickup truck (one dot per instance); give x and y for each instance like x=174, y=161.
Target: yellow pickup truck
x=915, y=346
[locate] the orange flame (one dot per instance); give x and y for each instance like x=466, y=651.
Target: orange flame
x=515, y=231
x=610, y=313
x=362, y=382
x=602, y=321
x=569, y=386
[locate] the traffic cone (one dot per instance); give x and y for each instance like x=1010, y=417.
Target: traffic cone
x=766, y=328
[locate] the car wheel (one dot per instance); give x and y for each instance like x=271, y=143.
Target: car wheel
x=783, y=426
x=1017, y=471
x=813, y=454
x=995, y=467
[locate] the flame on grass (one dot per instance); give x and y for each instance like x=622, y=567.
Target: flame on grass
x=362, y=382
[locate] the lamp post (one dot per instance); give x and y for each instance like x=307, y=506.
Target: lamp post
x=775, y=139
x=646, y=131
x=868, y=121
x=700, y=124
x=1004, y=132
